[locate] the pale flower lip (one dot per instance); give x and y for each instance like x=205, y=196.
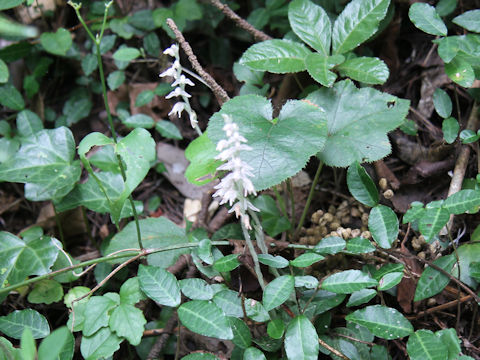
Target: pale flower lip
x=172, y=50
x=178, y=92
x=177, y=108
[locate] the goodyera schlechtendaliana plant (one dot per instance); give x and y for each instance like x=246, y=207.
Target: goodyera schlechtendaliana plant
x=180, y=81
x=236, y=185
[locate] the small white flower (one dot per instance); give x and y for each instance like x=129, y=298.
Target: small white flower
x=193, y=118
x=183, y=80
x=172, y=70
x=178, y=92
x=172, y=51
x=177, y=109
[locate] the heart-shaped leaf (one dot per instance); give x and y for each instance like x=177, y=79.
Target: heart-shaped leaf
x=56, y=43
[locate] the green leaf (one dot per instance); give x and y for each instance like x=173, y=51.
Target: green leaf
x=280, y=154
x=424, y=344
x=278, y=262
x=390, y=280
x=201, y=153
x=89, y=64
x=276, y=328
x=359, y=245
x=383, y=224
x=387, y=269
x=46, y=292
x=11, y=98
x=196, y=289
x=115, y=79
x=432, y=221
x=442, y=103
x=278, y=291
x=241, y=333
x=306, y=281
x=100, y=345
x=168, y=130
x=425, y=17
x=28, y=123
x=369, y=70
x=200, y=356
x=361, y=297
x=229, y=302
x=301, y=340
x=151, y=44
x=383, y=322
x=272, y=220
x=348, y=281
x=462, y=201
x=205, y=318
x=4, y=73
x=144, y=98
x=139, y=120
x=432, y=281
x=20, y=258
x=318, y=66
x=57, y=43
x=9, y=4
x=159, y=285
x=276, y=56
x=97, y=314
x=227, y=263
x=306, y=259
x=322, y=300
x=450, y=128
x=361, y=186
x=450, y=339
x=256, y=311
x=28, y=347
x=469, y=20
x=14, y=323
x=253, y=353
x=126, y=54
x=59, y=345
x=357, y=127
x=130, y=292
x=357, y=23
x=204, y=251
x=468, y=254
x=461, y=72
x=76, y=108
x=311, y=24
x=330, y=245
x=445, y=7
x=128, y=321
x=468, y=136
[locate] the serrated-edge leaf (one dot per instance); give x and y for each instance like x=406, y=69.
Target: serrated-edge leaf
x=368, y=70
x=318, y=67
x=159, y=285
x=425, y=17
x=359, y=245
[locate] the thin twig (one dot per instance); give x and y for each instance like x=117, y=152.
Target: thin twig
x=332, y=349
x=242, y=23
x=440, y=307
x=219, y=92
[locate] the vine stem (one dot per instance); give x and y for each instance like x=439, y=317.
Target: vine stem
x=309, y=200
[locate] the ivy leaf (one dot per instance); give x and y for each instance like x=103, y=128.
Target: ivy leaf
x=128, y=322
x=59, y=345
x=301, y=340
x=424, y=344
x=45, y=162
x=318, y=66
x=361, y=185
x=280, y=146
x=369, y=70
x=432, y=281
x=311, y=24
x=46, y=292
x=159, y=285
x=56, y=43
x=28, y=123
x=14, y=323
x=469, y=20
x=357, y=23
x=383, y=224
x=276, y=56
x=100, y=345
x=97, y=313
x=348, y=281
x=205, y=318
x=358, y=121
x=425, y=17
x=278, y=291
x=383, y=322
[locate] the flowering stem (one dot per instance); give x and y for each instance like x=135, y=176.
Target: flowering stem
x=251, y=248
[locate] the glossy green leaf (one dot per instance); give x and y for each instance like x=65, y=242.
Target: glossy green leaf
x=279, y=155
x=276, y=56
x=8, y=148
x=241, y=333
x=11, y=98
x=278, y=262
x=348, y=281
x=468, y=136
x=28, y=123
x=278, y=291
x=390, y=280
x=361, y=186
x=357, y=23
x=357, y=127
x=56, y=43
x=229, y=302
x=159, y=285
x=102, y=344
x=450, y=339
x=20, y=258
x=14, y=323
x=311, y=24
x=425, y=345
x=200, y=356
x=442, y=103
x=319, y=66
x=330, y=245
x=460, y=72
x=359, y=245
x=126, y=54
x=368, y=70
x=59, y=345
x=387, y=269
x=450, y=128
x=322, y=300
x=384, y=322
x=28, y=348
x=205, y=318
x=46, y=292
x=432, y=281
x=469, y=20
x=201, y=153
x=306, y=281
x=168, y=130
x=301, y=339
x=475, y=270
x=276, y=328
x=97, y=314
x=45, y=162
x=130, y=292
x=253, y=353
x=204, y=251
x=361, y=297
x=425, y=17
x=89, y=64
x=227, y=263
x=128, y=321
x=383, y=224
x=196, y=289
x=139, y=120
x=256, y=311
x=115, y=79
x=306, y=259
x=462, y=201
x=9, y=4
x=76, y=108
x=445, y=7
x=432, y=221
x=4, y=73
